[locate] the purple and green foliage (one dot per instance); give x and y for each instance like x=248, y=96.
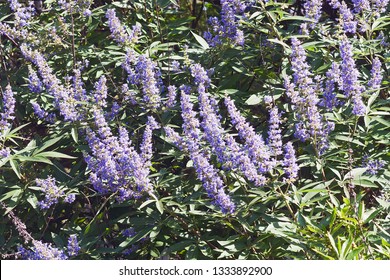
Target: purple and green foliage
x=186, y=129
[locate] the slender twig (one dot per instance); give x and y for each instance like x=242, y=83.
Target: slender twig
x=101, y=207
x=47, y=222
x=157, y=9
x=284, y=196
x=199, y=15
x=73, y=42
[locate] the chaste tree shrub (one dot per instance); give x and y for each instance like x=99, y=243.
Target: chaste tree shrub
x=174, y=129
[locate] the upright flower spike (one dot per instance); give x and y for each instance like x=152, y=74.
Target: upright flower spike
x=115, y=165
x=212, y=128
x=200, y=75
x=313, y=10
x=289, y=163
x=42, y=114
x=128, y=94
x=100, y=94
x=274, y=132
x=376, y=75
x=64, y=98
x=373, y=165
x=206, y=173
x=118, y=32
x=143, y=73
x=73, y=246
x=51, y=190
x=35, y=84
x=176, y=138
x=42, y=251
x=191, y=123
x=172, y=92
x=77, y=6
x=333, y=77
x=146, y=145
x=8, y=113
x=379, y=6
x=347, y=18
x=101, y=123
x=361, y=5
x=228, y=151
x=228, y=26
x=349, y=73
x=303, y=92
x=254, y=143
x=78, y=90
x=23, y=13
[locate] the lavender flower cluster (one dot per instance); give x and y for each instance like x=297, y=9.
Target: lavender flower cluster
x=116, y=167
x=346, y=17
x=66, y=99
x=42, y=114
x=118, y=31
x=46, y=251
x=228, y=25
x=42, y=251
x=274, y=140
x=8, y=113
x=313, y=11
x=76, y=6
x=303, y=92
x=333, y=81
x=257, y=150
x=52, y=193
x=253, y=159
x=22, y=13
x=373, y=165
x=212, y=182
x=144, y=73
x=227, y=150
x=376, y=75
x=73, y=246
x=349, y=75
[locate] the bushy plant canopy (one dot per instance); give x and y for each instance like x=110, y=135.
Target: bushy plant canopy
x=177, y=129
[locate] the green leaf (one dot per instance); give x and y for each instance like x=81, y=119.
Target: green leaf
x=201, y=41
x=354, y=173
x=130, y=241
x=34, y=159
x=74, y=134
x=180, y=246
x=47, y=144
x=299, y=18
x=14, y=193
x=15, y=168
x=276, y=41
x=54, y=155
x=370, y=215
x=253, y=100
x=361, y=210
x=333, y=243
x=160, y=206
x=349, y=140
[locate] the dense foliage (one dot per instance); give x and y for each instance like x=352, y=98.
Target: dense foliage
x=177, y=129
